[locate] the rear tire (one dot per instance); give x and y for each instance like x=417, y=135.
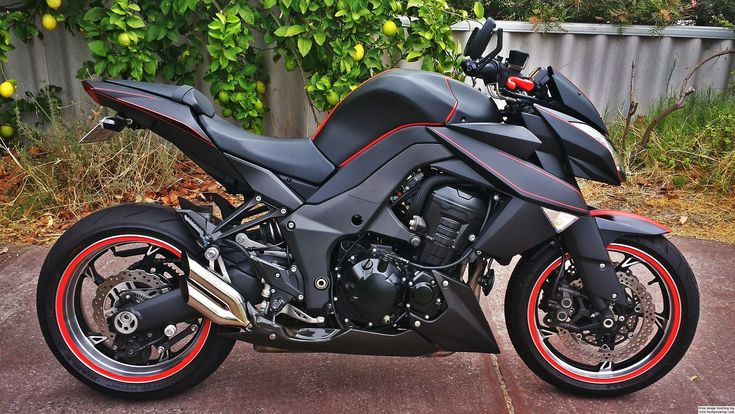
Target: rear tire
x=520, y=302
x=132, y=223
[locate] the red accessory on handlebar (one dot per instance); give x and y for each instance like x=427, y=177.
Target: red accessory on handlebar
x=515, y=81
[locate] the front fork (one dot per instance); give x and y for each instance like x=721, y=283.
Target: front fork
x=583, y=241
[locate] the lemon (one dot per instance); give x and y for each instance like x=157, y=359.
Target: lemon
x=333, y=98
x=227, y=112
x=290, y=64
x=258, y=105
x=7, y=89
x=54, y=4
x=223, y=97
x=390, y=28
x=123, y=39
x=359, y=53
x=48, y=22
x=6, y=131
x=260, y=87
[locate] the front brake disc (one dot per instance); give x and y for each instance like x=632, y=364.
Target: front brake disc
x=630, y=342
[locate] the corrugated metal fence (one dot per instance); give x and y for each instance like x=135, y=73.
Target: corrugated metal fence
x=595, y=57
x=598, y=57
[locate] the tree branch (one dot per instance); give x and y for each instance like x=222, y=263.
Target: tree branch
x=632, y=108
x=684, y=91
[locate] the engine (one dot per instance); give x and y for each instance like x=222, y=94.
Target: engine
x=380, y=281
x=450, y=219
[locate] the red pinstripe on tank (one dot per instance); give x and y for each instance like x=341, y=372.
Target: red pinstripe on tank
x=394, y=130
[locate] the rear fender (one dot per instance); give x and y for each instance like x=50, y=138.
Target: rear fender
x=615, y=224
x=172, y=121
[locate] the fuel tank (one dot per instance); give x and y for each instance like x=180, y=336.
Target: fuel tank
x=397, y=99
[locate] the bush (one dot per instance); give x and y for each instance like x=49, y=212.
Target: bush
x=336, y=44
x=655, y=12
x=54, y=173
x=713, y=13
x=695, y=145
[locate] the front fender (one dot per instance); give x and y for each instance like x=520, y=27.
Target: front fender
x=614, y=224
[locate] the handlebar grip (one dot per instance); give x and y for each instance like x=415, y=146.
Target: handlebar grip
x=489, y=72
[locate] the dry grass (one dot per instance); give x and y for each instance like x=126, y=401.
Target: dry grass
x=48, y=180
x=689, y=213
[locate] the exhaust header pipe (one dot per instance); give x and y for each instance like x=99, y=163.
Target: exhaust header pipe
x=214, y=298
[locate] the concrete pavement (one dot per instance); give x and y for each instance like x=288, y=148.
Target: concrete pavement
x=32, y=380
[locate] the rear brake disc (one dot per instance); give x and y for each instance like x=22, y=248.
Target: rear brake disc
x=135, y=286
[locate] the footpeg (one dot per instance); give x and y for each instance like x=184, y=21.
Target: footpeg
x=487, y=281
x=300, y=315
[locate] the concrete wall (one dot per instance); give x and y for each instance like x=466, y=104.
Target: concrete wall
x=595, y=57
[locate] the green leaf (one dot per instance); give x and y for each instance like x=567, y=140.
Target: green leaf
x=99, y=66
x=98, y=47
x=413, y=56
x=479, y=10
x=135, y=22
x=289, y=31
x=304, y=46
x=267, y=4
x=231, y=54
x=247, y=15
x=94, y=14
x=320, y=37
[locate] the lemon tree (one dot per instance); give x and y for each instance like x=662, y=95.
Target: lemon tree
x=334, y=44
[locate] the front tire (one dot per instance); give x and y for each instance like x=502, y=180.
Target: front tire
x=70, y=321
x=562, y=358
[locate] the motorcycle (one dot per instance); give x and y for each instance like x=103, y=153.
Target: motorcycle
x=375, y=236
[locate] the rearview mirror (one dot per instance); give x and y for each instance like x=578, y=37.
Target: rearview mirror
x=479, y=39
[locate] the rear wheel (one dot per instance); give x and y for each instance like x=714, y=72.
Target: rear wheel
x=112, y=259
x=558, y=337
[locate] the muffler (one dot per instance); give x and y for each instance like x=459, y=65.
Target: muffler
x=214, y=298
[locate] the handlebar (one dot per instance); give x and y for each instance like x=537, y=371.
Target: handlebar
x=489, y=71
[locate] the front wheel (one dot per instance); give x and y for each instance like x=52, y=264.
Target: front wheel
x=558, y=337
x=109, y=260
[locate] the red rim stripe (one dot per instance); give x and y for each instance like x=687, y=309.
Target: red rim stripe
x=70, y=342
x=676, y=305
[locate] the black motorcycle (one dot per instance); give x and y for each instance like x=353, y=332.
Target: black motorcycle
x=376, y=237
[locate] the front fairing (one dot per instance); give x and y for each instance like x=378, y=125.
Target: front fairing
x=587, y=157
x=567, y=98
